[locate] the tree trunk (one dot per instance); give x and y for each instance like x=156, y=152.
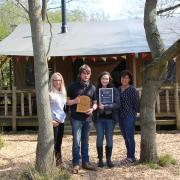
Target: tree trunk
x=152, y=82
x=154, y=75
x=148, y=120
x=45, y=146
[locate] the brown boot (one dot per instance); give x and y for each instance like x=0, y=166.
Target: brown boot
x=75, y=169
x=89, y=166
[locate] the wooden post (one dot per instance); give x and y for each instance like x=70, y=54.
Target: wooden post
x=134, y=70
x=167, y=101
x=176, y=106
x=22, y=104
x=158, y=104
x=5, y=104
x=14, y=108
x=30, y=104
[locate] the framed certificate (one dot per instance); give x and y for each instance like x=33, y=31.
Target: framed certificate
x=84, y=104
x=105, y=95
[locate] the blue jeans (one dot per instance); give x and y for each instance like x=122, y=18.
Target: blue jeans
x=80, y=132
x=127, y=126
x=104, y=127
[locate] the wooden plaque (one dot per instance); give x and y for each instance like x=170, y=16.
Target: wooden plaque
x=84, y=105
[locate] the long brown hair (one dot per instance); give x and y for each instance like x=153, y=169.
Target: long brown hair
x=99, y=85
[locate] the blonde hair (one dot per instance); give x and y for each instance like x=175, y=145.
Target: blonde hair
x=62, y=88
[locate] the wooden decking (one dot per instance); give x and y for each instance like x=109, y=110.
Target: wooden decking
x=18, y=108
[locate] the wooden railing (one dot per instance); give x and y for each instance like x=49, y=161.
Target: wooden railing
x=17, y=104
x=167, y=103
x=21, y=104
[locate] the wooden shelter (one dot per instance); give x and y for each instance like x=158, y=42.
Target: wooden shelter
x=106, y=46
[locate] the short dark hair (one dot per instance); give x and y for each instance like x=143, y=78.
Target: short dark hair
x=127, y=73
x=86, y=68
x=99, y=85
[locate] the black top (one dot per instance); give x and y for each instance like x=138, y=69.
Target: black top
x=79, y=88
x=129, y=102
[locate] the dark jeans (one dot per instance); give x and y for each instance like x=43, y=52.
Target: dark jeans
x=104, y=127
x=127, y=126
x=80, y=132
x=58, y=135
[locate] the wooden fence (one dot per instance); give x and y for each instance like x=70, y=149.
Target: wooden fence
x=18, y=107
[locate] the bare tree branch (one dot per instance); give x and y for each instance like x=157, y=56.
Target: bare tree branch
x=25, y=9
x=153, y=37
x=15, y=14
x=168, y=9
x=168, y=55
x=51, y=36
x=58, y=7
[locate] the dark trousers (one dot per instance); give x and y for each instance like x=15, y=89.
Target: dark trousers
x=58, y=135
x=127, y=126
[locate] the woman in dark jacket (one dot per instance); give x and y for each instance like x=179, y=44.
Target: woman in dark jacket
x=106, y=116
x=128, y=111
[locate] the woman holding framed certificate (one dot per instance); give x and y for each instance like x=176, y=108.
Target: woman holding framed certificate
x=57, y=95
x=105, y=116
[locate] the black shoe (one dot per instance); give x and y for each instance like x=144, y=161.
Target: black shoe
x=58, y=158
x=89, y=166
x=109, y=163
x=100, y=163
x=108, y=157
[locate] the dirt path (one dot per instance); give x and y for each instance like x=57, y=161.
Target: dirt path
x=19, y=151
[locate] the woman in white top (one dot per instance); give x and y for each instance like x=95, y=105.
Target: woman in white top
x=57, y=95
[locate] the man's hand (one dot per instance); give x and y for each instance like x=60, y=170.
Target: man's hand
x=77, y=100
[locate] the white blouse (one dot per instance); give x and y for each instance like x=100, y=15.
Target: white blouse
x=57, y=102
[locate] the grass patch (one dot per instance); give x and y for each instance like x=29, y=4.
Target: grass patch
x=32, y=174
x=166, y=160
x=152, y=164
x=163, y=161
x=1, y=142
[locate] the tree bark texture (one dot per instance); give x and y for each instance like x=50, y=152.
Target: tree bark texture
x=154, y=76
x=45, y=146
x=148, y=120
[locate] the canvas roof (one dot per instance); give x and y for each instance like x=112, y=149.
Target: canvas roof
x=91, y=38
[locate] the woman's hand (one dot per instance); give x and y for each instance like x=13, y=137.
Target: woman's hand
x=55, y=123
x=90, y=111
x=137, y=114
x=101, y=107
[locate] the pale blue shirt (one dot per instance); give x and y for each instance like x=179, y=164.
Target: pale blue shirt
x=57, y=102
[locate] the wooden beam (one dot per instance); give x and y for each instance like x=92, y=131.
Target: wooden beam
x=14, y=107
x=134, y=70
x=167, y=101
x=5, y=105
x=177, y=69
x=176, y=105
x=30, y=104
x=158, y=104
x=22, y=104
